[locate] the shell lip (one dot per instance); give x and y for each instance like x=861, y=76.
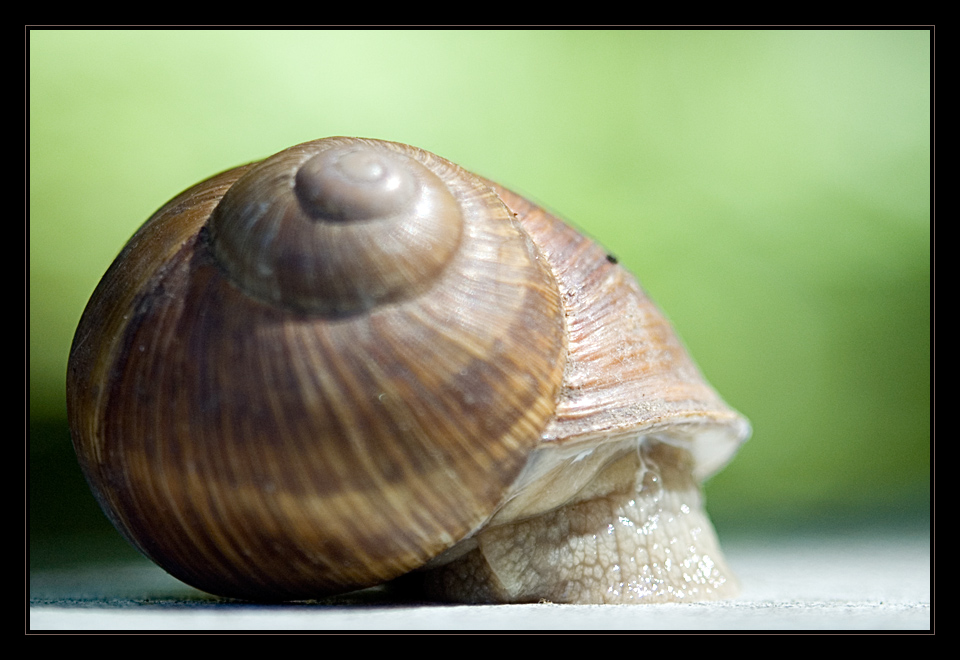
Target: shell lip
x=713, y=438
x=560, y=468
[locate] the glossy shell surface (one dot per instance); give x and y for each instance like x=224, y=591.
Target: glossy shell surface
x=260, y=440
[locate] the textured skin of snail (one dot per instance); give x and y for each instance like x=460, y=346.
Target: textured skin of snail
x=355, y=360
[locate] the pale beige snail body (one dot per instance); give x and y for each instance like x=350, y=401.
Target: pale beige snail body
x=355, y=360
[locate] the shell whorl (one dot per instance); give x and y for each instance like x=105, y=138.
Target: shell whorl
x=339, y=226
x=286, y=433
x=356, y=359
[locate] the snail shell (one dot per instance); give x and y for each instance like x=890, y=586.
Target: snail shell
x=355, y=359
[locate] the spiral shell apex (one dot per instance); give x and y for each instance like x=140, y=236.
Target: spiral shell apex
x=355, y=359
x=339, y=226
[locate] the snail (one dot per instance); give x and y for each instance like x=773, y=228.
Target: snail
x=356, y=361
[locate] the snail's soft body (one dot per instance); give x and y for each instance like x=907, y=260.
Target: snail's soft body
x=363, y=361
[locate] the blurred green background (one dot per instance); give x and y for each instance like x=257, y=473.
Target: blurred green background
x=771, y=190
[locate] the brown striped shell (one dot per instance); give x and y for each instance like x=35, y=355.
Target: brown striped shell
x=322, y=371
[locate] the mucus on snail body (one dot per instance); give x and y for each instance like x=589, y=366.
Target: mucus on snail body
x=356, y=360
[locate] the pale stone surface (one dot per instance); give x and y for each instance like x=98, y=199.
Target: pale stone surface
x=858, y=580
